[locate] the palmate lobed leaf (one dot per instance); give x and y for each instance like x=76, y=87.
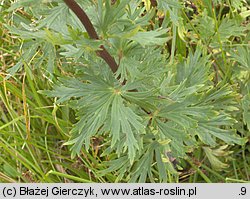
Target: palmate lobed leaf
x=195, y=69
x=104, y=105
x=205, y=25
x=186, y=117
x=213, y=35
x=89, y=125
x=230, y=27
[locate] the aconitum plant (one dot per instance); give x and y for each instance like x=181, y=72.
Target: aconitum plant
x=143, y=77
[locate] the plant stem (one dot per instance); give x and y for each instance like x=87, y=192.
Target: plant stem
x=153, y=3
x=207, y=180
x=103, y=53
x=228, y=180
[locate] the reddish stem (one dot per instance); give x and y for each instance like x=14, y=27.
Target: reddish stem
x=103, y=53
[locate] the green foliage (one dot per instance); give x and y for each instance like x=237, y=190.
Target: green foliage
x=156, y=109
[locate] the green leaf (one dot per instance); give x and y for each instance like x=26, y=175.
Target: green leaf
x=114, y=165
x=215, y=162
x=195, y=70
x=169, y=6
x=242, y=56
x=56, y=19
x=177, y=137
x=144, y=99
x=229, y=27
x=227, y=136
x=90, y=125
x=25, y=59
x=10, y=171
x=154, y=37
x=142, y=167
x=125, y=121
x=67, y=89
x=23, y=3
x=205, y=26
x=108, y=15
x=160, y=165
